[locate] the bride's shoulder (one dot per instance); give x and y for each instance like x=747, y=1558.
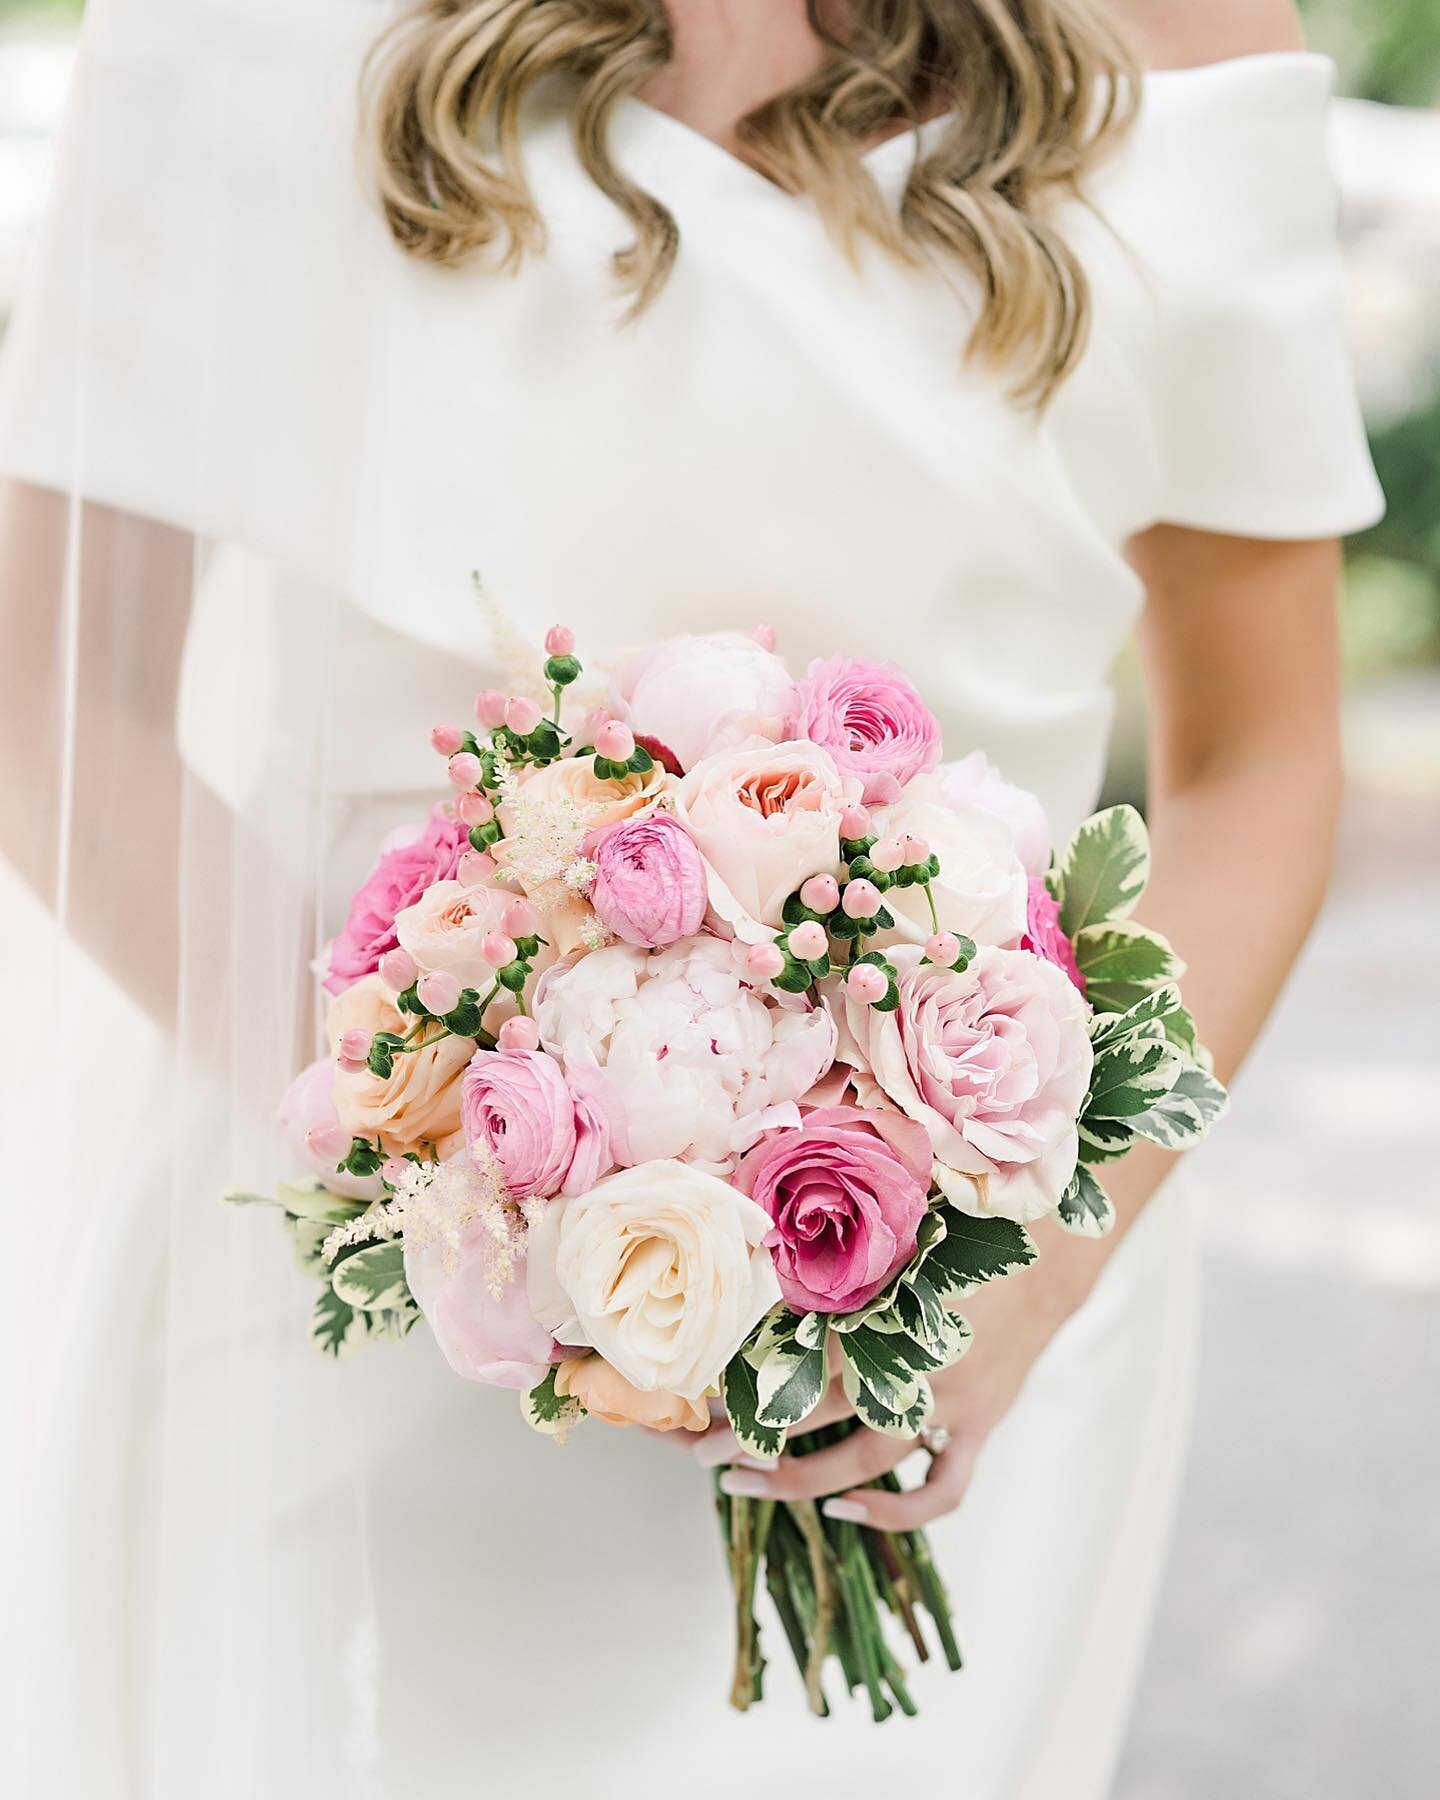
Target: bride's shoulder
x=1186, y=34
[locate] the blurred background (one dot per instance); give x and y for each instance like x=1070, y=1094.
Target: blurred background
x=1297, y=1641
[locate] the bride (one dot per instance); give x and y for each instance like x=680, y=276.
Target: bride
x=970, y=333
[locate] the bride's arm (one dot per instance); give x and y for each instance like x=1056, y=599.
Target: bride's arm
x=93, y=610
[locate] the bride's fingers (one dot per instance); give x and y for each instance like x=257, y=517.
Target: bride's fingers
x=858, y=1459
x=941, y=1492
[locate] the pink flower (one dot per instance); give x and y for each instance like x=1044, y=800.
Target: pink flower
x=309, y=1104
x=403, y=873
x=1043, y=936
x=702, y=694
x=549, y=1135
x=994, y=1061
x=846, y=1192
x=484, y=1336
x=975, y=781
x=649, y=885
x=871, y=721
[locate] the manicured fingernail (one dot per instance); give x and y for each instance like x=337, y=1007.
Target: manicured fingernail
x=746, y=1461
x=719, y=1445
x=740, y=1484
x=848, y=1512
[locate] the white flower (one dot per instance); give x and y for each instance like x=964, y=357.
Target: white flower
x=982, y=891
x=975, y=781
x=700, y=1062
x=661, y=1268
x=701, y=694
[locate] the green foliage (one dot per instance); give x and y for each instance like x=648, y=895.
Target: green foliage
x=1103, y=872
x=548, y=1412
x=373, y=1278
x=1122, y=962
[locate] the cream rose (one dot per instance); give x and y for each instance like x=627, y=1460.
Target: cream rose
x=660, y=1268
x=982, y=892
x=445, y=928
x=766, y=817
x=606, y=1394
x=419, y=1103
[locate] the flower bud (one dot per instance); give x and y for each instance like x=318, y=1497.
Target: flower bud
x=854, y=823
x=475, y=809
x=808, y=942
x=464, y=769
x=522, y=714
x=861, y=899
x=559, y=641
x=887, y=854
x=520, y=919
x=765, y=961
x=490, y=709
x=355, y=1045
x=475, y=868
x=398, y=969
x=943, y=949
x=328, y=1143
x=447, y=739
x=439, y=992
x=393, y=1168
x=594, y=721
x=764, y=636
x=497, y=949
x=867, y=984
x=519, y=1034
x=615, y=742
x=821, y=893
x=914, y=850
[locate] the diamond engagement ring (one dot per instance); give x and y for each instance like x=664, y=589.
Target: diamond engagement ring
x=934, y=1439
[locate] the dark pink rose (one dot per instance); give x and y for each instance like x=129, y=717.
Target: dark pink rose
x=650, y=886
x=871, y=721
x=846, y=1191
x=404, y=872
x=548, y=1133
x=1043, y=936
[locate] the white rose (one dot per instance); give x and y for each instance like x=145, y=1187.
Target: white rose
x=701, y=694
x=700, y=1062
x=661, y=1269
x=766, y=817
x=975, y=781
x=982, y=892
x=446, y=926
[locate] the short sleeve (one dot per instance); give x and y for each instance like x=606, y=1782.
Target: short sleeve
x=1229, y=203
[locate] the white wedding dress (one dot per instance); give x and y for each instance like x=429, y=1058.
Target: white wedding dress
x=239, y=1572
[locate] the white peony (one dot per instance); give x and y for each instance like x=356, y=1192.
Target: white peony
x=662, y=1269
x=982, y=892
x=700, y=1062
x=975, y=781
x=704, y=693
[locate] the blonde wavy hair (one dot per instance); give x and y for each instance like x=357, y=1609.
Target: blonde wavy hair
x=1035, y=91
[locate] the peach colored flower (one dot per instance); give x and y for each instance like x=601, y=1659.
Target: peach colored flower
x=419, y=1103
x=444, y=931
x=606, y=1394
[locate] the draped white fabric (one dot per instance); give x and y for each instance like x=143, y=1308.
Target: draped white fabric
x=253, y=456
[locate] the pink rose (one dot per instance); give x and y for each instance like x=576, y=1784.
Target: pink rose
x=703, y=694
x=548, y=1134
x=484, y=1335
x=310, y=1102
x=994, y=1061
x=1043, y=936
x=399, y=878
x=649, y=885
x=846, y=1191
x=871, y=721
x=975, y=781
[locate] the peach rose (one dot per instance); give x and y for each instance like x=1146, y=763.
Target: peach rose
x=606, y=1394
x=420, y=1102
x=445, y=928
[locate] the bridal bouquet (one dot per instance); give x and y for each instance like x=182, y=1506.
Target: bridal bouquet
x=710, y=1042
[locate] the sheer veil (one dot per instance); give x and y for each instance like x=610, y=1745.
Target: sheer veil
x=190, y=529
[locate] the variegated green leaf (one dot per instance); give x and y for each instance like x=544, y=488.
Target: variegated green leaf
x=789, y=1383
x=906, y=1421
x=1104, y=871
x=1085, y=1206
x=1107, y=1029
x=974, y=1251
x=738, y=1390
x=1184, y=1115
x=812, y=1330
x=1122, y=962
x=1105, y=1140
x=550, y=1413
x=312, y=1201
x=941, y=1334
x=373, y=1278
x=1129, y=1076
x=880, y=1362
x=337, y=1329
x=308, y=1238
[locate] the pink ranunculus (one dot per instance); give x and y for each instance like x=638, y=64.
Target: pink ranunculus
x=870, y=719
x=310, y=1101
x=405, y=870
x=994, y=1061
x=549, y=1135
x=846, y=1192
x=1043, y=936
x=650, y=883
x=484, y=1335
x=701, y=694
x=975, y=781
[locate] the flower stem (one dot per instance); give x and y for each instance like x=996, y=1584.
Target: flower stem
x=807, y=1518
x=930, y=901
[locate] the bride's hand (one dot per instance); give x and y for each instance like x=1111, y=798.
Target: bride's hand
x=1013, y=1320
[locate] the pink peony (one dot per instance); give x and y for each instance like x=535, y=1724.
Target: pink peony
x=975, y=781
x=484, y=1335
x=871, y=721
x=846, y=1191
x=650, y=882
x=310, y=1101
x=1043, y=936
x=701, y=694
x=403, y=873
x=994, y=1061
x=548, y=1134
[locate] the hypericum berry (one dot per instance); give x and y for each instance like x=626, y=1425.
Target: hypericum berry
x=943, y=949
x=807, y=942
x=764, y=636
x=439, y=992
x=475, y=868
x=398, y=970
x=518, y=1034
x=765, y=961
x=821, y=893
x=522, y=714
x=520, y=919
x=475, y=808
x=330, y=1143
x=888, y=854
x=854, y=823
x=615, y=742
x=447, y=739
x=867, y=984
x=490, y=709
x=861, y=899
x=464, y=769
x=559, y=641
x=355, y=1045
x=914, y=850
x=392, y=1169
x=497, y=949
